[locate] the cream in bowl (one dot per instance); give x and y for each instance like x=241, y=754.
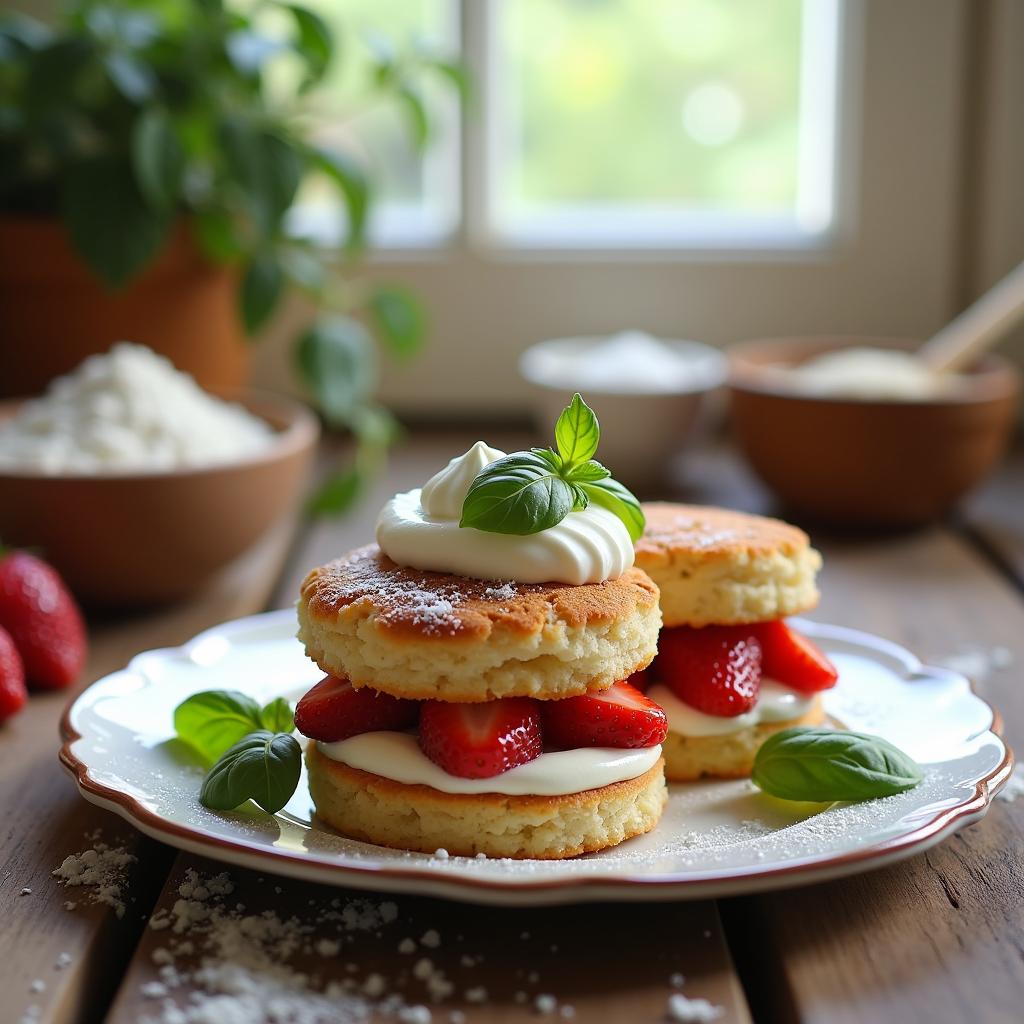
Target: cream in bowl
x=647, y=391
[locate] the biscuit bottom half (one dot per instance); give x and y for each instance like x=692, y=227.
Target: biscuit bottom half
x=729, y=756
x=412, y=817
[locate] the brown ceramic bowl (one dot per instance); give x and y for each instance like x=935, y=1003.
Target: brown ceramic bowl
x=864, y=463
x=137, y=539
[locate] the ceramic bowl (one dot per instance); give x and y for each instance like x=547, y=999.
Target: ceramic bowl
x=146, y=538
x=861, y=462
x=641, y=429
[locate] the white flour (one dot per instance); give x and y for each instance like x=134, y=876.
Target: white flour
x=127, y=410
x=102, y=870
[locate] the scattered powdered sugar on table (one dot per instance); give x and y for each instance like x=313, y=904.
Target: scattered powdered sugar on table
x=247, y=974
x=691, y=1011
x=127, y=410
x=1014, y=787
x=101, y=869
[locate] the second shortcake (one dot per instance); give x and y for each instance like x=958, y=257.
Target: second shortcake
x=730, y=670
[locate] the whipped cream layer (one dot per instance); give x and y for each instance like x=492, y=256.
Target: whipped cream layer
x=397, y=756
x=775, y=703
x=420, y=529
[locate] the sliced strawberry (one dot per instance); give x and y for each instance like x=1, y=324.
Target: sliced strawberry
x=620, y=716
x=43, y=620
x=716, y=669
x=335, y=710
x=12, y=678
x=478, y=741
x=792, y=659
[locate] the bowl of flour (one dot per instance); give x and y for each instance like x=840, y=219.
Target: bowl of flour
x=140, y=486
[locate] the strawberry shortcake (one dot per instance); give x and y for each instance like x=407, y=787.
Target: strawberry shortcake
x=730, y=670
x=475, y=699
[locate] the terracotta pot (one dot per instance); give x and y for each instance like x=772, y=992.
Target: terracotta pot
x=863, y=463
x=140, y=539
x=55, y=312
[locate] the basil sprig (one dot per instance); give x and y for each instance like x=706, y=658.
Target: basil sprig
x=527, y=492
x=213, y=720
x=817, y=764
x=264, y=767
x=253, y=753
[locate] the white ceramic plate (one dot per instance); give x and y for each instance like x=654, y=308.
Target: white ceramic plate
x=715, y=839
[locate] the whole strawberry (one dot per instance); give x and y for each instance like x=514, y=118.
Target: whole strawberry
x=42, y=619
x=12, y=678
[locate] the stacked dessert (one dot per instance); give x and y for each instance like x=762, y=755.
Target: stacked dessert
x=475, y=700
x=729, y=670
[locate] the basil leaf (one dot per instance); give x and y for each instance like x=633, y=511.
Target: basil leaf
x=213, y=720
x=552, y=458
x=277, y=716
x=610, y=494
x=812, y=763
x=577, y=432
x=264, y=767
x=519, y=494
x=588, y=472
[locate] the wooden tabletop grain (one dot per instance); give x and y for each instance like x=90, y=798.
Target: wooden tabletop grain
x=937, y=938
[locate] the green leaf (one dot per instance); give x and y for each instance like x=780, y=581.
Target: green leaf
x=267, y=167
x=350, y=180
x=218, y=235
x=157, y=158
x=519, y=494
x=264, y=767
x=588, y=472
x=261, y=289
x=277, y=716
x=813, y=763
x=416, y=111
x=337, y=494
x=577, y=432
x=314, y=42
x=336, y=362
x=455, y=73
x=214, y=720
x=610, y=494
x=111, y=226
x=399, y=319
x=551, y=457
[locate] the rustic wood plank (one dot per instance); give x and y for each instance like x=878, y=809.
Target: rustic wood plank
x=626, y=978
x=995, y=516
x=938, y=938
x=44, y=820
x=607, y=963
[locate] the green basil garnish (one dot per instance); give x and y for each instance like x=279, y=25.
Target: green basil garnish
x=277, y=716
x=528, y=492
x=817, y=764
x=214, y=720
x=263, y=767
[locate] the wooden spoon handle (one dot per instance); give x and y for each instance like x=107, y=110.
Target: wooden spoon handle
x=962, y=340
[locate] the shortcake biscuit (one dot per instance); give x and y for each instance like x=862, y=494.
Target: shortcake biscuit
x=715, y=566
x=378, y=810
x=728, y=756
x=430, y=635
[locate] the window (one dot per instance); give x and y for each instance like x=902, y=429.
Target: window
x=654, y=122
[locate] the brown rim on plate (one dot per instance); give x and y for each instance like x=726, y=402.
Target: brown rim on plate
x=652, y=887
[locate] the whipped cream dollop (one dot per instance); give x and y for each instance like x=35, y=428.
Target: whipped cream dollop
x=420, y=529
x=397, y=756
x=775, y=703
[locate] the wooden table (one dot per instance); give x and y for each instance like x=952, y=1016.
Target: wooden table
x=937, y=938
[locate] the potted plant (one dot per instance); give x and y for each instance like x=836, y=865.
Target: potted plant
x=147, y=171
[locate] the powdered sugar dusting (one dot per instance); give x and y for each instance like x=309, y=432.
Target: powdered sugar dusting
x=101, y=869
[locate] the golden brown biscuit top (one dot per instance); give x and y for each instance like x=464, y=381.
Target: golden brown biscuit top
x=705, y=533
x=439, y=605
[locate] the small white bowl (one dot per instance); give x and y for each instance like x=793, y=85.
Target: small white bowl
x=646, y=392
